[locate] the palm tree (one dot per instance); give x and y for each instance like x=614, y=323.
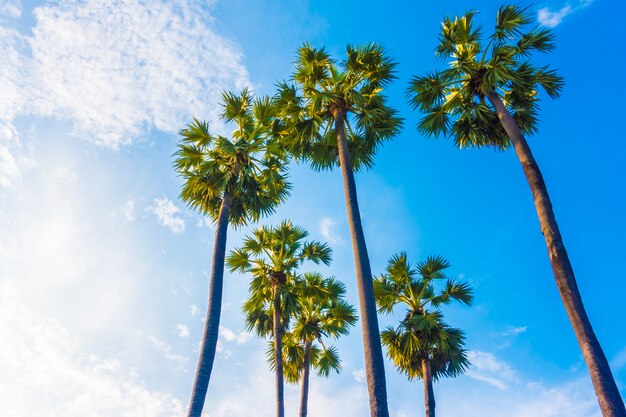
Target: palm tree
x=336, y=115
x=323, y=313
x=489, y=97
x=273, y=255
x=422, y=346
x=233, y=181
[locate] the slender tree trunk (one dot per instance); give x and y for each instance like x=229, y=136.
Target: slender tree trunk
x=374, y=364
x=211, y=327
x=604, y=384
x=278, y=352
x=304, y=390
x=429, y=394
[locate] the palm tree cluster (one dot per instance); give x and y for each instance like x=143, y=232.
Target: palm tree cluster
x=334, y=113
x=423, y=345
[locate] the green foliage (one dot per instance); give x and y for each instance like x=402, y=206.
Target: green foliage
x=267, y=251
x=323, y=313
x=453, y=101
x=249, y=166
x=322, y=89
x=422, y=333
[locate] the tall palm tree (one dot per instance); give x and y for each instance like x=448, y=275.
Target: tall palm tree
x=489, y=97
x=233, y=181
x=323, y=313
x=422, y=346
x=273, y=255
x=335, y=114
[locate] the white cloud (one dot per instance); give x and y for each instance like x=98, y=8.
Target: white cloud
x=183, y=330
x=64, y=173
x=168, y=352
x=11, y=8
x=46, y=371
x=487, y=368
x=205, y=222
x=194, y=310
x=229, y=335
x=128, y=210
x=573, y=399
x=326, y=395
x=11, y=99
x=551, y=19
x=327, y=230
x=165, y=211
x=359, y=375
x=8, y=166
x=512, y=330
x=114, y=70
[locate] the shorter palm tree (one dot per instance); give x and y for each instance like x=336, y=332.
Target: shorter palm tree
x=273, y=255
x=423, y=346
x=323, y=313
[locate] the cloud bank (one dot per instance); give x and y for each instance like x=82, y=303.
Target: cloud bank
x=113, y=69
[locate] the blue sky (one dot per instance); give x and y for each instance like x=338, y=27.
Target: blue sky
x=103, y=271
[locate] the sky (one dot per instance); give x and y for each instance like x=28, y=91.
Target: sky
x=104, y=271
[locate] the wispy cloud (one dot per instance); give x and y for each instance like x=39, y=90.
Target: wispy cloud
x=114, y=70
x=65, y=174
x=183, y=330
x=194, y=310
x=487, y=368
x=229, y=335
x=359, y=375
x=512, y=330
x=9, y=169
x=165, y=212
x=128, y=209
x=327, y=228
x=168, y=352
x=43, y=352
x=205, y=222
x=549, y=18
x=11, y=8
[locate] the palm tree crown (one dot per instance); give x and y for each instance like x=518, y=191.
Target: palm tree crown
x=422, y=333
x=323, y=313
x=273, y=255
x=453, y=100
x=248, y=166
x=323, y=89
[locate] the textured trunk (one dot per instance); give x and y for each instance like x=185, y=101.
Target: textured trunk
x=608, y=395
x=304, y=390
x=209, y=339
x=429, y=395
x=278, y=351
x=374, y=364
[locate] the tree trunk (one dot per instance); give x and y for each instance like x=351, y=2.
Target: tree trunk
x=304, y=390
x=604, y=384
x=211, y=327
x=374, y=364
x=278, y=352
x=429, y=395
